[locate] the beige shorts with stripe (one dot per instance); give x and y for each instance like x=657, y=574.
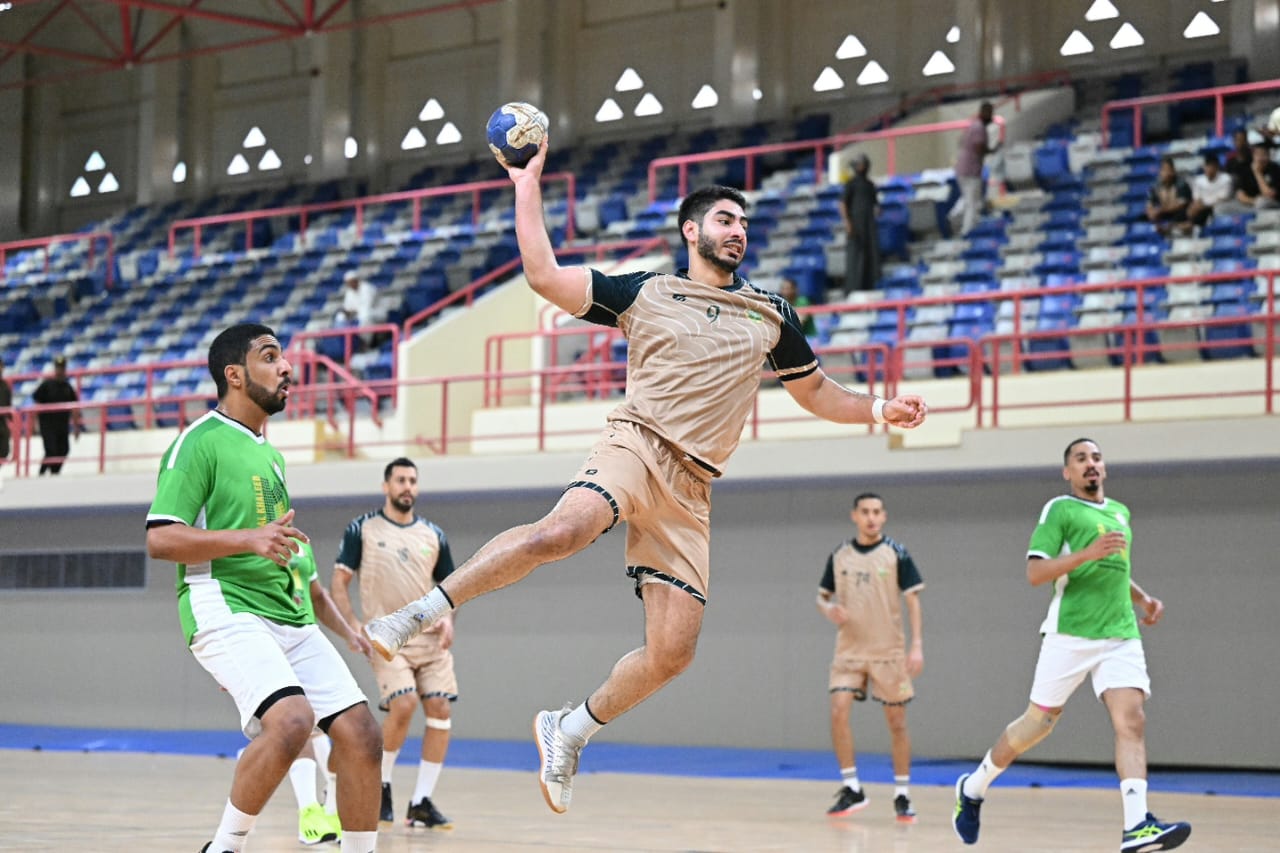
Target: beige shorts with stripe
x=890, y=684
x=665, y=501
x=421, y=667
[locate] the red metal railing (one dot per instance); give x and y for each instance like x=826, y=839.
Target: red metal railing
x=821, y=148
x=45, y=243
x=467, y=295
x=414, y=197
x=1218, y=94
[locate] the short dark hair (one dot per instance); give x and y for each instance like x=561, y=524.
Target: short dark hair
x=1167, y=160
x=697, y=203
x=399, y=462
x=231, y=346
x=1212, y=157
x=867, y=496
x=1066, y=454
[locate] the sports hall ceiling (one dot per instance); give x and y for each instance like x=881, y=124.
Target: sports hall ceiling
x=51, y=41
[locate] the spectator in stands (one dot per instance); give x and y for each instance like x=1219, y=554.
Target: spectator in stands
x=357, y=299
x=1168, y=199
x=55, y=426
x=1211, y=190
x=1241, y=158
x=1271, y=130
x=1259, y=187
x=6, y=400
x=788, y=291
x=859, y=211
x=974, y=147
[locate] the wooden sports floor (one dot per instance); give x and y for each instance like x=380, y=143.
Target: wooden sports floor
x=113, y=801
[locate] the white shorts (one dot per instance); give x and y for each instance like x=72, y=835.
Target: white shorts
x=252, y=658
x=1066, y=660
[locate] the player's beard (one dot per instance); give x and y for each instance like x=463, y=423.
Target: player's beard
x=707, y=251
x=403, y=503
x=269, y=401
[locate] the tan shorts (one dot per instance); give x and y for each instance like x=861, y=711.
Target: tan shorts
x=420, y=667
x=890, y=684
x=665, y=501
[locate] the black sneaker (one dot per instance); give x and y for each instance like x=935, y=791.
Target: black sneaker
x=902, y=808
x=387, y=814
x=848, y=801
x=207, y=844
x=1153, y=834
x=424, y=813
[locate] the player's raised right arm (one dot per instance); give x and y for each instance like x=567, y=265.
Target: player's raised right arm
x=565, y=287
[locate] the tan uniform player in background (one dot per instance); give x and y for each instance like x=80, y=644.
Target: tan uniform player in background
x=860, y=594
x=401, y=556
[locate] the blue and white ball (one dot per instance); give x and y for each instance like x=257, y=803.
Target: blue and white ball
x=514, y=133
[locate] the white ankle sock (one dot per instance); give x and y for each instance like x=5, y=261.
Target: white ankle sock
x=389, y=757
x=359, y=842
x=901, y=785
x=580, y=724
x=1133, y=794
x=233, y=829
x=979, y=780
x=430, y=607
x=850, y=777
x=428, y=774
x=302, y=776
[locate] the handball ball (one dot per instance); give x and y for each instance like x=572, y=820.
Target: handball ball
x=514, y=132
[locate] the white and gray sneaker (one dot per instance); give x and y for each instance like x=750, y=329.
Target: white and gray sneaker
x=559, y=753
x=388, y=633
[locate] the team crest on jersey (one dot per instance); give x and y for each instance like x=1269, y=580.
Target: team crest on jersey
x=754, y=315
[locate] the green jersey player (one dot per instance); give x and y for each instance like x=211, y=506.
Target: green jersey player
x=1081, y=547
x=222, y=514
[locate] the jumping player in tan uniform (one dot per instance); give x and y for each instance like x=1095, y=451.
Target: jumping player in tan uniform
x=861, y=591
x=697, y=342
x=400, y=556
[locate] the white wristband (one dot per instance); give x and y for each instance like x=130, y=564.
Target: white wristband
x=877, y=410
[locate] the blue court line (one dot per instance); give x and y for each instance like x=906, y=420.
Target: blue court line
x=721, y=762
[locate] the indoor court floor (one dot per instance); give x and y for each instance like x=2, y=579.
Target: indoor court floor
x=151, y=802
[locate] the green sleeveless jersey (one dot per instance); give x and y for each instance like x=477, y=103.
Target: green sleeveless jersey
x=1093, y=600
x=219, y=475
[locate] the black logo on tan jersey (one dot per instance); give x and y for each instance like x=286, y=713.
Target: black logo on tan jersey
x=679, y=297
x=403, y=554
x=862, y=577
x=713, y=312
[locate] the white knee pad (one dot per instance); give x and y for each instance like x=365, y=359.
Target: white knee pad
x=434, y=723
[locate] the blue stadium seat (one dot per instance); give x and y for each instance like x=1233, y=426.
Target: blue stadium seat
x=1049, y=353
x=1240, y=335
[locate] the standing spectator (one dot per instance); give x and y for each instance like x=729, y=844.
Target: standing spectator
x=6, y=400
x=865, y=579
x=788, y=291
x=974, y=147
x=859, y=211
x=1259, y=187
x=1271, y=130
x=1211, y=190
x=1168, y=199
x=401, y=556
x=55, y=426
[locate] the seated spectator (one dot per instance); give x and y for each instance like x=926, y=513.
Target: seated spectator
x=1209, y=190
x=358, y=298
x=1260, y=186
x=788, y=291
x=1168, y=199
x=1240, y=160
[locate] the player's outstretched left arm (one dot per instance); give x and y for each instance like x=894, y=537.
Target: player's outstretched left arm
x=823, y=396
